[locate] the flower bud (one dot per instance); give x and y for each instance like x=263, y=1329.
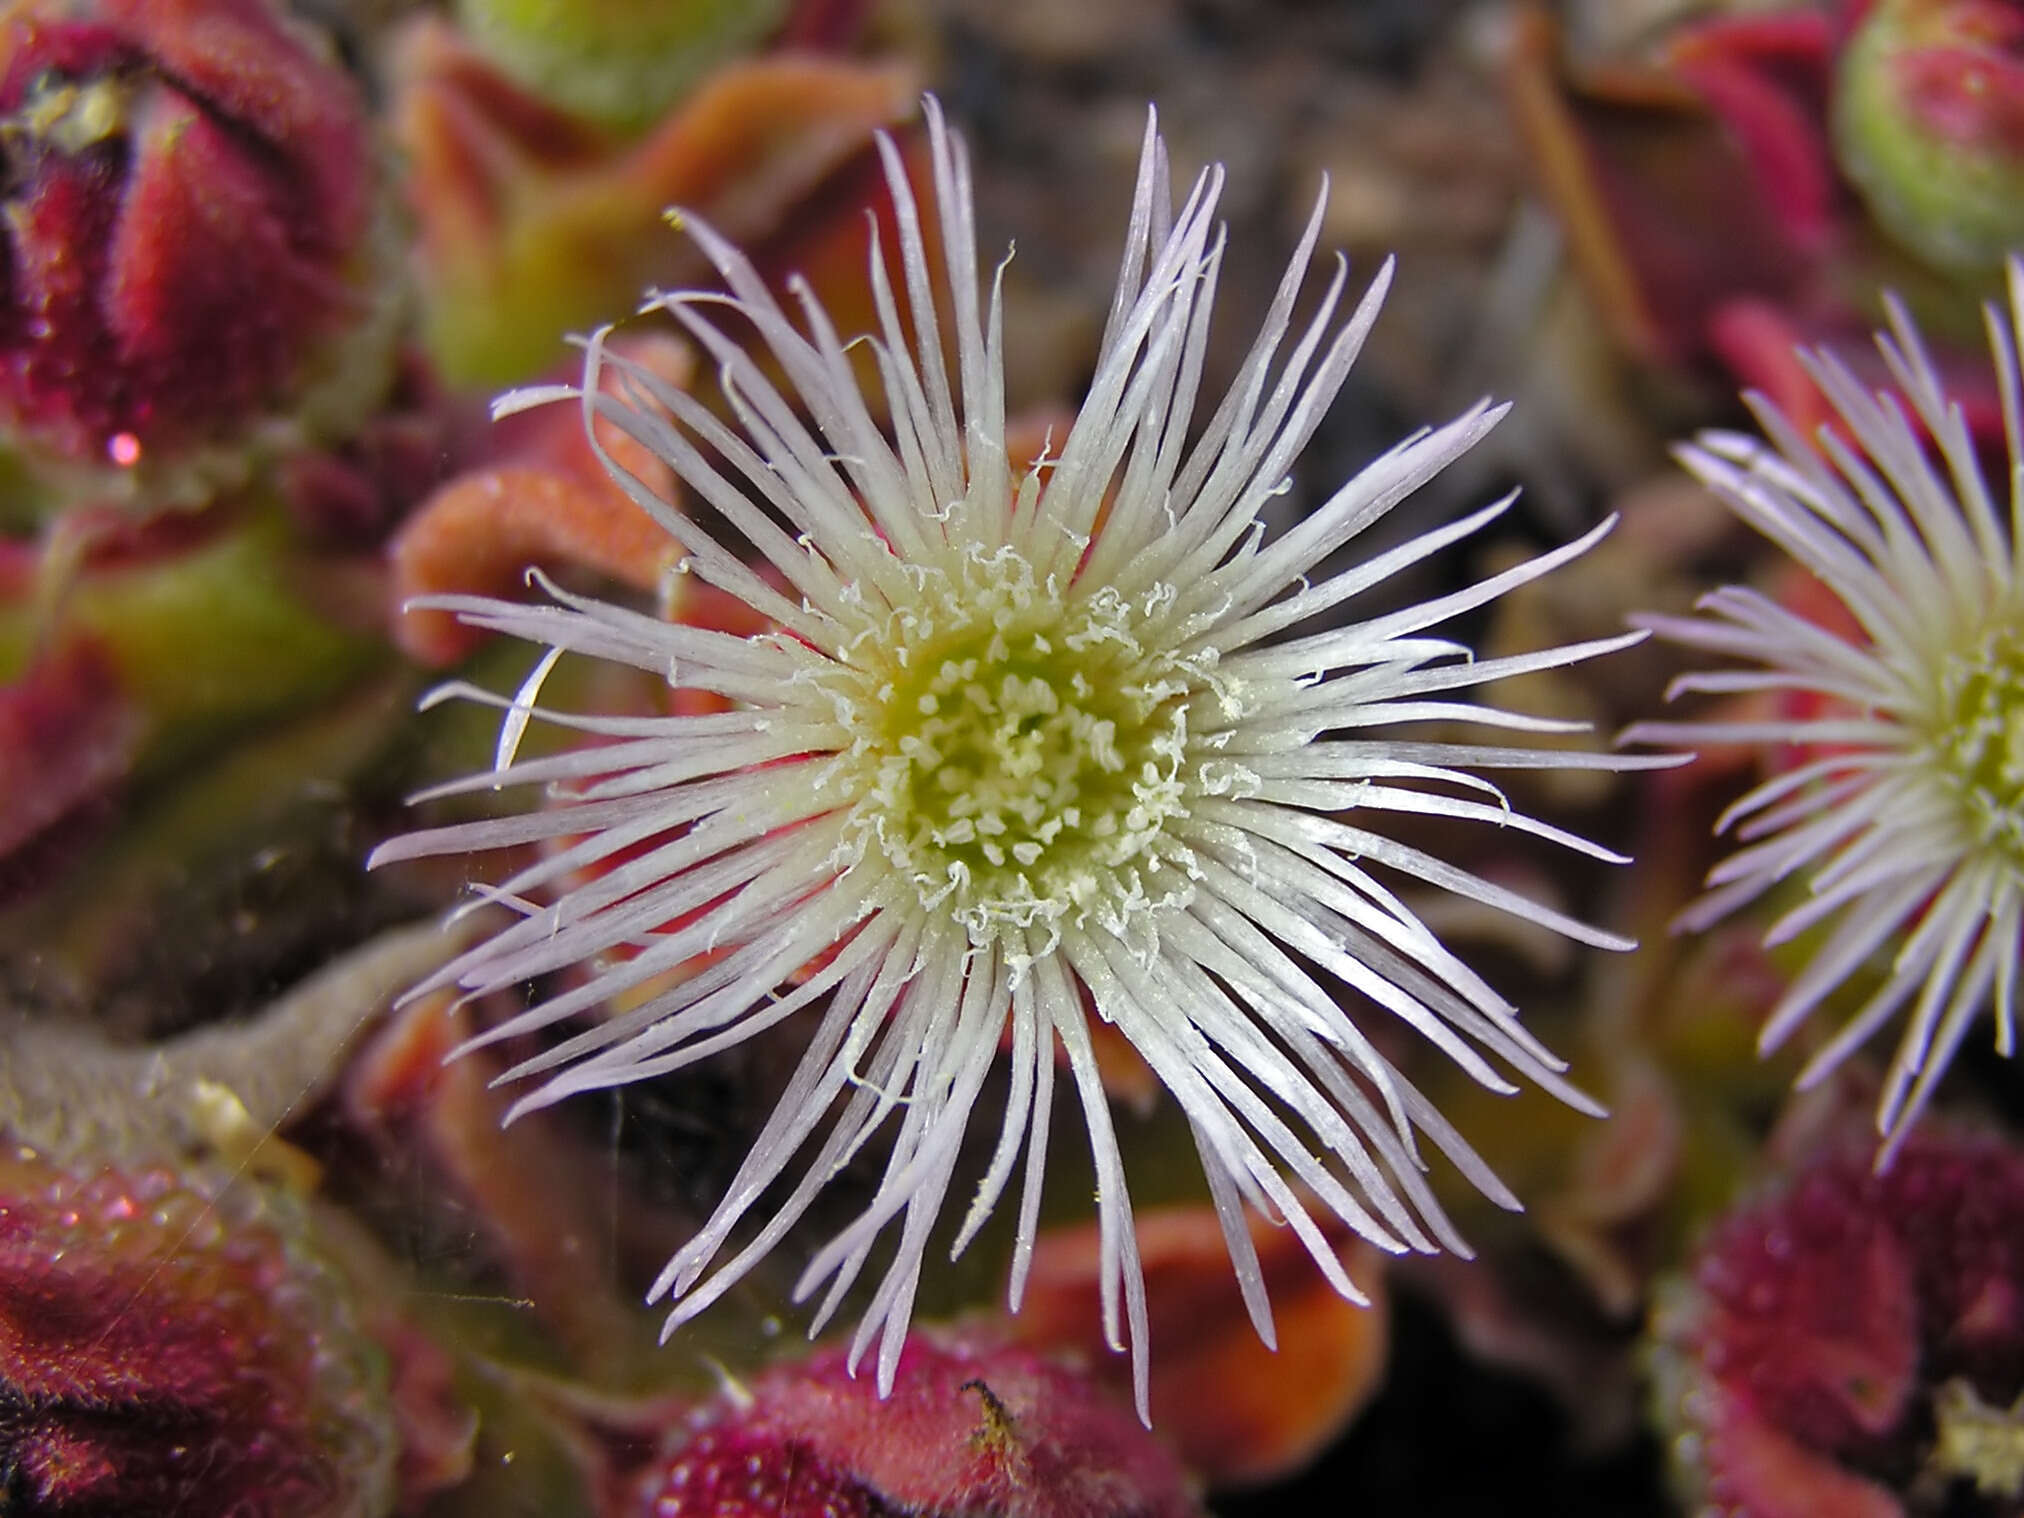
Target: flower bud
x=1929, y=124
x=194, y=264
x=1848, y=1345
x=170, y=1347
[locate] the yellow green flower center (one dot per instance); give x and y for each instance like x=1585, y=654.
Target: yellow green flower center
x=1022, y=755
x=1980, y=740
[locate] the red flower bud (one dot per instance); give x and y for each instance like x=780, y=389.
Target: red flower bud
x=164, y=1350
x=1850, y=1345
x=192, y=263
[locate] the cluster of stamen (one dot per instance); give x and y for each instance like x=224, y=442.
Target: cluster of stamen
x=1980, y=737
x=1021, y=754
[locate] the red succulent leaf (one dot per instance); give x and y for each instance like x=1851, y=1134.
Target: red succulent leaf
x=545, y=498
x=1665, y=211
x=1766, y=78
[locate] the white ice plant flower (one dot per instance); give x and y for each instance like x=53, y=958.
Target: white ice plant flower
x=1905, y=815
x=1029, y=748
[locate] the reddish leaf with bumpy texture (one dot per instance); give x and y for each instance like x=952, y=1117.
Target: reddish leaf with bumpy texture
x=167, y=1350
x=972, y=1427
x=1808, y=1350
